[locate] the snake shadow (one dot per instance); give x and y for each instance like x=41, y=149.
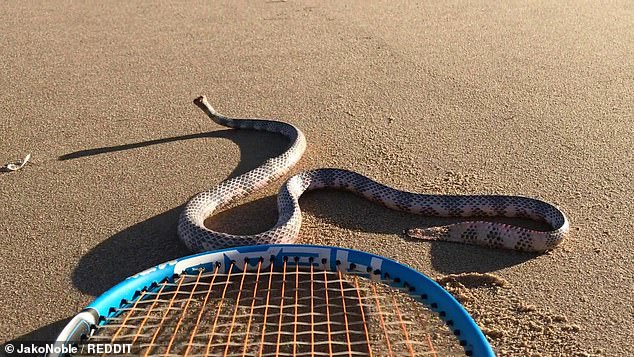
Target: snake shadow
x=154, y=240
x=353, y=213
x=356, y=214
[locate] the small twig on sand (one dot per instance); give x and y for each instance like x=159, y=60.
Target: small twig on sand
x=15, y=166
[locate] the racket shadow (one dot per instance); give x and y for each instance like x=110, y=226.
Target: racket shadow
x=42, y=335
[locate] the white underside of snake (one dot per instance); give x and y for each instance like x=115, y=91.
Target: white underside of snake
x=197, y=237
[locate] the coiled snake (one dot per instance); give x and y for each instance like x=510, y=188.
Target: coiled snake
x=197, y=237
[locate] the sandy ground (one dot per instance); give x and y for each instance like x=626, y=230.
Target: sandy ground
x=448, y=97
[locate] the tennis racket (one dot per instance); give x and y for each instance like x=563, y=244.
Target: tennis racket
x=278, y=300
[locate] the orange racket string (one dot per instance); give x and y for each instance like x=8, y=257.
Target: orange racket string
x=160, y=320
x=312, y=310
x=382, y=319
x=345, y=312
x=431, y=346
x=182, y=317
x=222, y=300
x=279, y=330
x=127, y=316
x=327, y=313
x=149, y=311
x=365, y=323
x=202, y=310
x=235, y=310
x=296, y=307
x=255, y=293
x=266, y=309
x=169, y=306
x=408, y=343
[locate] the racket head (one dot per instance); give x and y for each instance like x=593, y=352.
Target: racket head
x=277, y=257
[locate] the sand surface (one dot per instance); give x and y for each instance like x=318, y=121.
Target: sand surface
x=535, y=99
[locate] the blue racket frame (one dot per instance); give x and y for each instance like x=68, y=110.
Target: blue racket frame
x=419, y=286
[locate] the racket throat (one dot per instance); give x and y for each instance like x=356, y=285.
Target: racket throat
x=79, y=328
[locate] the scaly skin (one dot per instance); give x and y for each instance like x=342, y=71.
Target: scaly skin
x=198, y=238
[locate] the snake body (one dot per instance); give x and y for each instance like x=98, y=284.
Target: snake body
x=198, y=238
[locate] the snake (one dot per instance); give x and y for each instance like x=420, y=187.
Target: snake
x=198, y=238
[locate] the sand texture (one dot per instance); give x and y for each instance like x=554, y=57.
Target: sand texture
x=529, y=98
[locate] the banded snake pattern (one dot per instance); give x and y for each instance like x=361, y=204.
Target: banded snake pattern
x=198, y=238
